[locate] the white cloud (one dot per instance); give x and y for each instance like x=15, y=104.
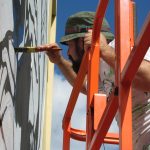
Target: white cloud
x=61, y=94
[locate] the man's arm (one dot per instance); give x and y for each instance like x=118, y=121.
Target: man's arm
x=107, y=52
x=108, y=55
x=142, y=77
x=141, y=80
x=66, y=68
x=64, y=65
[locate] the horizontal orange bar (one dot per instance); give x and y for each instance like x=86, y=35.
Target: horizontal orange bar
x=112, y=138
x=80, y=135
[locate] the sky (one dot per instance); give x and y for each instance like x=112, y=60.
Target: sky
x=61, y=87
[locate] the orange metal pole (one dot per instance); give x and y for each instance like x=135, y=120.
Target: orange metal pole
x=66, y=139
x=122, y=47
x=76, y=89
x=131, y=21
x=112, y=138
x=105, y=123
x=100, y=102
x=80, y=135
x=142, y=44
x=94, y=70
x=72, y=101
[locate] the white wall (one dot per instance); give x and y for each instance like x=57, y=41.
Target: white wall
x=23, y=76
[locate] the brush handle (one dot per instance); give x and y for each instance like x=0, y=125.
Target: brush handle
x=35, y=49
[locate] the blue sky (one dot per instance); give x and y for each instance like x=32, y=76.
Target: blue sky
x=66, y=8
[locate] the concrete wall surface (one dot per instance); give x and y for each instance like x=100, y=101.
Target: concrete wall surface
x=23, y=76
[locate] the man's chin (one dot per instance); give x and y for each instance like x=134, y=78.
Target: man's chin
x=76, y=67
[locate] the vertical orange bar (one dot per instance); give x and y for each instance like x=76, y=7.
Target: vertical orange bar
x=93, y=88
x=132, y=23
x=105, y=122
x=122, y=47
x=93, y=74
x=99, y=107
x=66, y=138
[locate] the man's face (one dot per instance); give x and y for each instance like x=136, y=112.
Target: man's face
x=75, y=53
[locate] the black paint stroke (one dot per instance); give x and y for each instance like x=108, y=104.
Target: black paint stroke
x=22, y=14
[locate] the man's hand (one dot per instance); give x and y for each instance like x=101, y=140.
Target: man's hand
x=88, y=40
x=53, y=52
x=107, y=52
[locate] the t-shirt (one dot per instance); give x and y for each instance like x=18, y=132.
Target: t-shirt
x=140, y=104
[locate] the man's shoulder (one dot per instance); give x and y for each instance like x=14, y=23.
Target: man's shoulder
x=146, y=57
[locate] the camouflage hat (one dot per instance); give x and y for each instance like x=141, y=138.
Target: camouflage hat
x=78, y=24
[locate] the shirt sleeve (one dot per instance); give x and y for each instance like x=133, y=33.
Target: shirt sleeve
x=106, y=75
x=112, y=44
x=146, y=57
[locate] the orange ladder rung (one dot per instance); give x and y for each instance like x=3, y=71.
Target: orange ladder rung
x=80, y=135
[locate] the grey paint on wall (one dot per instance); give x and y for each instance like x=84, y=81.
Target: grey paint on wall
x=22, y=76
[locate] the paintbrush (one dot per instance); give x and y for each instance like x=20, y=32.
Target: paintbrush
x=35, y=49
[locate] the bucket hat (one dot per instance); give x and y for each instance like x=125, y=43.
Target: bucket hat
x=79, y=23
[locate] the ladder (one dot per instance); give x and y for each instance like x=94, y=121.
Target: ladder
x=99, y=114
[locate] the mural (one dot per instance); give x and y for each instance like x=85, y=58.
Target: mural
x=22, y=75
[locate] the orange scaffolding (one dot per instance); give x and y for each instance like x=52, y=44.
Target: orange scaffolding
x=99, y=114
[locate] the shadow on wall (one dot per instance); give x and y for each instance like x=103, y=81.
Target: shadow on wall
x=23, y=35
x=7, y=84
